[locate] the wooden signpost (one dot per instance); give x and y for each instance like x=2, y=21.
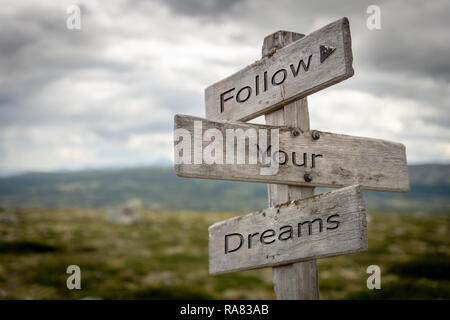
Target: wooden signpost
x=297, y=228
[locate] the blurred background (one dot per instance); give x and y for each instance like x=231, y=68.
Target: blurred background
x=86, y=120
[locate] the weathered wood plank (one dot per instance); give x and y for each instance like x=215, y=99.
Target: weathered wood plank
x=333, y=160
x=310, y=64
x=325, y=225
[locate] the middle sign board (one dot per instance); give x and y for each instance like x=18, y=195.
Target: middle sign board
x=236, y=151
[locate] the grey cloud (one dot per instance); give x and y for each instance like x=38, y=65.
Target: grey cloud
x=413, y=40
x=36, y=49
x=201, y=8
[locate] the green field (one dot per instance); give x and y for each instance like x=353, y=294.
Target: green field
x=165, y=256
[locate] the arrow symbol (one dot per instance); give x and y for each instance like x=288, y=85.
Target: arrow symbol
x=325, y=52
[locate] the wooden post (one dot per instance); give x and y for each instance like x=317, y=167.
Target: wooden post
x=298, y=281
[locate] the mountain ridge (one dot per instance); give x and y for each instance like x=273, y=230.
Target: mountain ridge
x=160, y=189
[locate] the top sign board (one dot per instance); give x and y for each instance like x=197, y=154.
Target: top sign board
x=303, y=67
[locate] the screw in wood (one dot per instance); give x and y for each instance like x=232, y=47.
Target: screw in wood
x=296, y=132
x=307, y=177
x=315, y=135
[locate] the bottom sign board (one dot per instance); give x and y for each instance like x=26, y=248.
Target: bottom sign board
x=324, y=225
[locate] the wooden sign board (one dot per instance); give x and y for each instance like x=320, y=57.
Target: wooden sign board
x=331, y=160
x=322, y=226
x=312, y=63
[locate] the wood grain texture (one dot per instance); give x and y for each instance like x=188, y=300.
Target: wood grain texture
x=319, y=75
x=278, y=40
x=346, y=160
x=325, y=225
x=300, y=280
x=296, y=281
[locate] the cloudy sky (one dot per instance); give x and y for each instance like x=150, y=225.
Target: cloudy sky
x=105, y=95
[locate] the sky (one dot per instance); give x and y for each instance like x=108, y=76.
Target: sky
x=104, y=95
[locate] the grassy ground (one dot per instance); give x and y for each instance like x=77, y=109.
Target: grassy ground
x=165, y=256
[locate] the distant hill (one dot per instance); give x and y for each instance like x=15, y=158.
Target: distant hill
x=160, y=188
